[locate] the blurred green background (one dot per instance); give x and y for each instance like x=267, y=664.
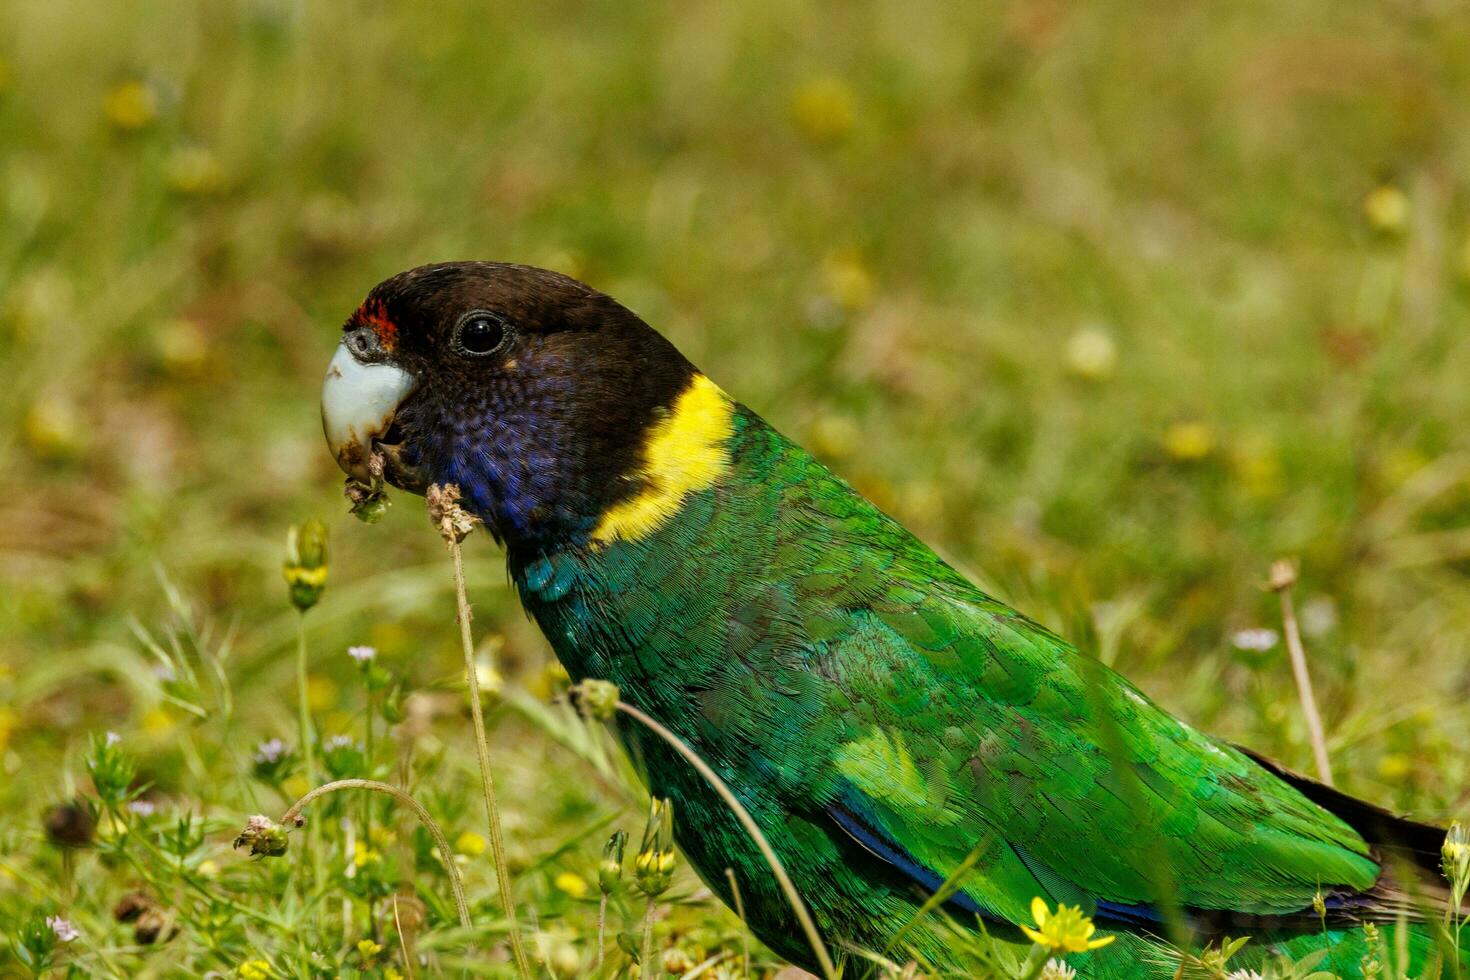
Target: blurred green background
x=1112, y=303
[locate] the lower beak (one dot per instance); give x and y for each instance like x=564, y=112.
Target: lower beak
x=359, y=402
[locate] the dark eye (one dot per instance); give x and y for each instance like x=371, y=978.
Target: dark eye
x=480, y=333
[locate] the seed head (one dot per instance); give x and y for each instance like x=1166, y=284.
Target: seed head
x=597, y=699
x=263, y=836
x=452, y=521
x=70, y=824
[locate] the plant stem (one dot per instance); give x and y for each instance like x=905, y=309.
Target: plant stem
x=308, y=750
x=1283, y=577
x=813, y=937
x=645, y=956
x=427, y=819
x=601, y=929
x=744, y=926
x=487, y=780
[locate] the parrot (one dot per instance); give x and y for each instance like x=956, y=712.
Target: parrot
x=929, y=765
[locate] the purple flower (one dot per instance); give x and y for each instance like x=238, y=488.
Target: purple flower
x=65, y=931
x=269, y=752
x=143, y=808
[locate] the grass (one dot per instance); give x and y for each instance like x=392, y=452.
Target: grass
x=1113, y=304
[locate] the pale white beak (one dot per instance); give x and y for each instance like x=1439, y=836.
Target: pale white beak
x=358, y=404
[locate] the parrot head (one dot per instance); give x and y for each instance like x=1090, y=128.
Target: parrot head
x=529, y=390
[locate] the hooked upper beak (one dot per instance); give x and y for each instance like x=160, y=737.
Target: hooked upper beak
x=359, y=402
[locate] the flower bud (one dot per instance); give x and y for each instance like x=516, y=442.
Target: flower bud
x=653, y=868
x=610, y=868
x=1455, y=858
x=305, y=569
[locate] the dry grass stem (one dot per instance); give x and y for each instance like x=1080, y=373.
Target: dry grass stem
x=454, y=524
x=1283, y=577
x=293, y=815
x=808, y=926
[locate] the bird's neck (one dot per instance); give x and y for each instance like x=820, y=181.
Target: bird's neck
x=539, y=496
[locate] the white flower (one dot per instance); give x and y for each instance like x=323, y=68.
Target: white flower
x=270, y=751
x=65, y=931
x=362, y=654
x=112, y=739
x=1256, y=640
x=1055, y=969
x=338, y=742
x=143, y=808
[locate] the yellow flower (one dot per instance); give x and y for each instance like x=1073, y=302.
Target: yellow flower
x=130, y=106
x=368, y=949
x=1066, y=929
x=362, y=855
x=1456, y=850
x=208, y=869
x=1189, y=442
x=193, y=171
x=571, y=884
x=824, y=109
x=1395, y=766
x=1092, y=354
x=305, y=568
x=470, y=844
x=846, y=280
x=391, y=973
x=255, y=970
x=1387, y=209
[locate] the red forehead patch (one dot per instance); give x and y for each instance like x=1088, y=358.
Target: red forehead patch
x=374, y=314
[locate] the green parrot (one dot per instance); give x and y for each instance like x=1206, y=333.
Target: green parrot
x=890, y=727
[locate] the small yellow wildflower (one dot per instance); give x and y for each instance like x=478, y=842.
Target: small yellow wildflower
x=54, y=428
x=208, y=869
x=391, y=973
x=321, y=692
x=834, y=436
x=1092, y=354
x=193, y=171
x=130, y=106
x=1066, y=929
x=1387, y=209
x=156, y=721
x=362, y=855
x=383, y=837
x=571, y=884
x=255, y=970
x=846, y=280
x=824, y=109
x=1394, y=766
x=368, y=949
x=469, y=844
x=1189, y=442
